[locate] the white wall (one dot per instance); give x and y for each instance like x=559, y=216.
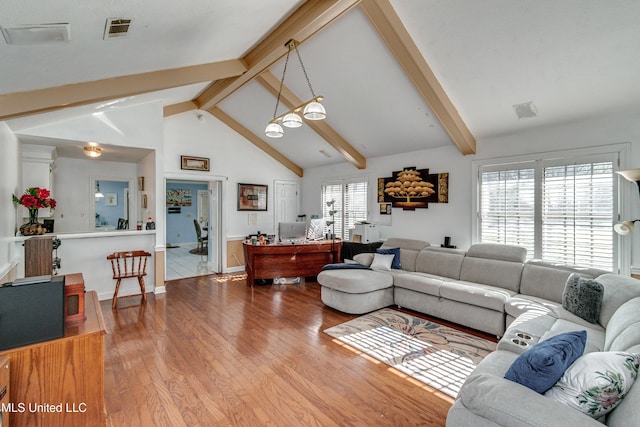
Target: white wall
x=9, y=176
x=233, y=159
x=454, y=219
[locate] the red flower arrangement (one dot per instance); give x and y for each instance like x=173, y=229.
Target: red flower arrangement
x=35, y=198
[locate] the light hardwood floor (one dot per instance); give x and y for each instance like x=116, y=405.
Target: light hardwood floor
x=212, y=352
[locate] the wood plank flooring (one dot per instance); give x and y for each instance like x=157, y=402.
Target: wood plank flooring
x=212, y=352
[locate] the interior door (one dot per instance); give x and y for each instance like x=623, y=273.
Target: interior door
x=286, y=202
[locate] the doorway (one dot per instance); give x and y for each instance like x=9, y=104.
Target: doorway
x=191, y=207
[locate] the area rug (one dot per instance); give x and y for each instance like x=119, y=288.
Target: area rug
x=436, y=355
x=198, y=251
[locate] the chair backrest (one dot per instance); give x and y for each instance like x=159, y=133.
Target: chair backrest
x=129, y=264
x=198, y=230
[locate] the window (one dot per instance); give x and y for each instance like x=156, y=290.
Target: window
x=560, y=210
x=350, y=205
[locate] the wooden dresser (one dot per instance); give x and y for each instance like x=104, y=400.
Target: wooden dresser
x=61, y=382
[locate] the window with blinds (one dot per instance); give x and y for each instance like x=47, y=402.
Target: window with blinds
x=508, y=207
x=577, y=214
x=350, y=205
x=560, y=211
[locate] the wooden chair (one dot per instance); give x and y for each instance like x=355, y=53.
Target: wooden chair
x=203, y=241
x=127, y=265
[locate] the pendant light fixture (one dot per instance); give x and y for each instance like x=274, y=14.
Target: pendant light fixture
x=311, y=110
x=98, y=194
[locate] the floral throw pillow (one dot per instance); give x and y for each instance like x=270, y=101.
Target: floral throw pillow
x=596, y=382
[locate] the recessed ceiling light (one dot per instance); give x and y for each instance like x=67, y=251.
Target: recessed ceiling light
x=37, y=34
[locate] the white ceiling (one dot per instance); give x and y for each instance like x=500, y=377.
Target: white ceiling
x=572, y=58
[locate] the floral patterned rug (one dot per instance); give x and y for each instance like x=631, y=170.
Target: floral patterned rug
x=439, y=356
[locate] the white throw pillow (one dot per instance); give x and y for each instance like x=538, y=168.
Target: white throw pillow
x=382, y=261
x=596, y=382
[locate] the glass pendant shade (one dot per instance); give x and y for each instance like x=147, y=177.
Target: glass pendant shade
x=314, y=111
x=274, y=130
x=623, y=228
x=292, y=120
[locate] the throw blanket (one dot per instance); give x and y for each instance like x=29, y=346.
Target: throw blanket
x=345, y=266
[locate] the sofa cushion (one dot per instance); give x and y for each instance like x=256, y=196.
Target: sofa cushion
x=504, y=274
x=623, y=331
x=617, y=290
x=544, y=364
x=419, y=282
x=497, y=251
x=365, y=258
x=597, y=382
x=595, y=333
x=547, y=280
x=391, y=251
x=409, y=249
x=355, y=281
x=440, y=261
x=484, y=296
x=583, y=297
x=498, y=402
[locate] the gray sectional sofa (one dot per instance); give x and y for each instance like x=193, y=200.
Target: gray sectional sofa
x=493, y=288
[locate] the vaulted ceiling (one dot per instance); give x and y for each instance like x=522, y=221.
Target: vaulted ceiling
x=396, y=75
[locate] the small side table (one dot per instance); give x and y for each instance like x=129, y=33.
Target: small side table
x=74, y=297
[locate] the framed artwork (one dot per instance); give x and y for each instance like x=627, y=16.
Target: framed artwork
x=252, y=197
x=111, y=199
x=194, y=163
x=385, y=208
x=413, y=188
x=179, y=197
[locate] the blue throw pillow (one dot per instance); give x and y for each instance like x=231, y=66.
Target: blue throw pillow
x=395, y=251
x=540, y=367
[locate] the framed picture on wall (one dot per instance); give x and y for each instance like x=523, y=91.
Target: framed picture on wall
x=194, y=163
x=111, y=199
x=252, y=197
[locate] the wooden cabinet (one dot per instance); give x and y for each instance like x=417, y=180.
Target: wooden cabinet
x=61, y=382
x=38, y=256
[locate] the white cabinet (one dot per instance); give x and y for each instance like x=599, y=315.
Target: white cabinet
x=38, y=170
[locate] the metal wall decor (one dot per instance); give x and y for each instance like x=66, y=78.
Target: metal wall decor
x=413, y=188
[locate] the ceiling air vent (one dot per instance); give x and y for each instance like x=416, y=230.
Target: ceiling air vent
x=526, y=110
x=117, y=28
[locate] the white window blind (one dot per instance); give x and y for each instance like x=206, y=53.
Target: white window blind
x=350, y=205
x=577, y=214
x=508, y=207
x=560, y=211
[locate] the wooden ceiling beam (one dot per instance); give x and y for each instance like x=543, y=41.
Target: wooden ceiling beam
x=287, y=97
x=386, y=21
x=307, y=20
x=255, y=140
x=44, y=100
x=181, y=107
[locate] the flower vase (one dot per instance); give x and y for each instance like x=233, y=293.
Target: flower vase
x=33, y=227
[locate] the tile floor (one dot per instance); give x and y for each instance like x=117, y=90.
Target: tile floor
x=180, y=263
